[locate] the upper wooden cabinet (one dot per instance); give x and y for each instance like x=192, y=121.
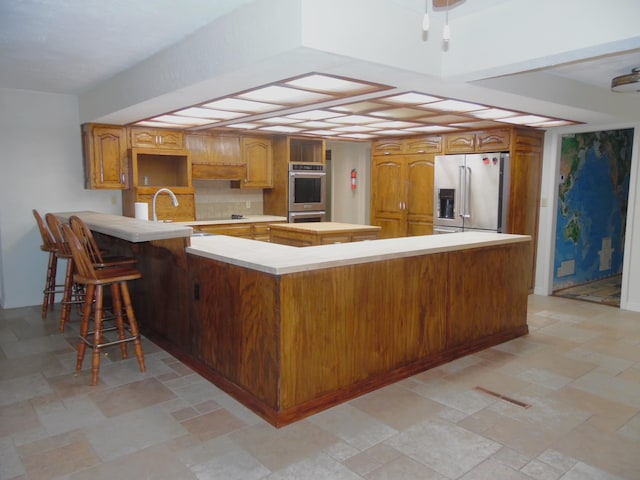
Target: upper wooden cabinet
x=154, y=167
x=155, y=138
x=306, y=150
x=105, y=156
x=402, y=146
x=258, y=157
x=497, y=140
x=216, y=156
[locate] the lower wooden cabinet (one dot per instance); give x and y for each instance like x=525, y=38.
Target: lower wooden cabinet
x=255, y=231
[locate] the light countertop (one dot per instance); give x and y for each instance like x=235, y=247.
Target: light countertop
x=130, y=229
x=282, y=259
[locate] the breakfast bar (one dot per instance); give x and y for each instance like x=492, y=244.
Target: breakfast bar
x=291, y=331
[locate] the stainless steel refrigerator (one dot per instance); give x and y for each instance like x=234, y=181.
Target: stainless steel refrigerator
x=471, y=192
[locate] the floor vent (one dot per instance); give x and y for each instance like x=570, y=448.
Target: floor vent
x=503, y=397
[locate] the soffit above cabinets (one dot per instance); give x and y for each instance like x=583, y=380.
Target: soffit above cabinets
x=327, y=106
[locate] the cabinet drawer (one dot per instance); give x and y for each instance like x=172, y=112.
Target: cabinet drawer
x=241, y=230
x=337, y=238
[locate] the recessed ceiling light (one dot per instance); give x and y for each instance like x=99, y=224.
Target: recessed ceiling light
x=454, y=106
x=284, y=95
x=281, y=129
x=400, y=113
x=321, y=133
x=358, y=107
x=203, y=113
x=324, y=83
x=394, y=124
x=178, y=120
x=245, y=106
x=411, y=98
x=524, y=119
x=354, y=119
x=278, y=120
x=359, y=136
x=433, y=129
x=382, y=133
x=248, y=125
x=355, y=128
x=316, y=124
x=493, y=113
x=315, y=115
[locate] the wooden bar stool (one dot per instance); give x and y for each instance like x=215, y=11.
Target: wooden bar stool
x=94, y=280
x=49, y=246
x=72, y=293
x=83, y=233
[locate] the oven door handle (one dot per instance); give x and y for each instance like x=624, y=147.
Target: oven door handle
x=307, y=174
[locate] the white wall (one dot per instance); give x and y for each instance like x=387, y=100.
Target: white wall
x=42, y=169
x=350, y=206
x=630, y=295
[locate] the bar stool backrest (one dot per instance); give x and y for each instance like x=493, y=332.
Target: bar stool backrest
x=82, y=262
x=83, y=233
x=55, y=225
x=48, y=242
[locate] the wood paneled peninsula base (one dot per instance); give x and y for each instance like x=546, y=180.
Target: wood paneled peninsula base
x=291, y=331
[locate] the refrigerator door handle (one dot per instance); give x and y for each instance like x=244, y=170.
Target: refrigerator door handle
x=467, y=193
x=461, y=197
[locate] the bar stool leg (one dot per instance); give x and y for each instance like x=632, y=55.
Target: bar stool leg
x=97, y=335
x=133, y=325
x=84, y=326
x=66, y=298
x=117, y=311
x=50, y=285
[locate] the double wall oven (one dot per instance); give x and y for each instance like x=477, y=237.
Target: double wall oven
x=307, y=189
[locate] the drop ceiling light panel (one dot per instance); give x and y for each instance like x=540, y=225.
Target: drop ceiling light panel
x=267, y=108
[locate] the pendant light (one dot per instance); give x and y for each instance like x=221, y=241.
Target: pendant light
x=425, y=19
x=446, y=32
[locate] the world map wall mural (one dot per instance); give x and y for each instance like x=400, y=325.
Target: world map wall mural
x=592, y=206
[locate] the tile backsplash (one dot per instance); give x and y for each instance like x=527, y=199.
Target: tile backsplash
x=216, y=199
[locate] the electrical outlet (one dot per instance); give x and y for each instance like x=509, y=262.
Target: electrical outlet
x=247, y=204
x=114, y=200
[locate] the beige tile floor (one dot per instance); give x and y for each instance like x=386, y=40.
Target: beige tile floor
x=576, y=377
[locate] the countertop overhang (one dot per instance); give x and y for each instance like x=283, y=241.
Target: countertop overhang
x=282, y=259
x=130, y=229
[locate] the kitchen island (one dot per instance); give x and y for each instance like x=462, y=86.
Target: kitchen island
x=321, y=233
x=291, y=331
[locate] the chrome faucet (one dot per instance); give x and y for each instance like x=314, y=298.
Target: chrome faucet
x=153, y=206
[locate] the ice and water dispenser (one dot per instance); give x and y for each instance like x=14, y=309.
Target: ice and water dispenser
x=446, y=198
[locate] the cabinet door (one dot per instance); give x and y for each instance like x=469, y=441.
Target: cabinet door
x=421, y=145
x=216, y=157
x=524, y=189
x=105, y=157
x=393, y=146
x=256, y=153
x=492, y=141
x=303, y=150
x=460, y=143
x=419, y=185
x=155, y=137
x=388, y=195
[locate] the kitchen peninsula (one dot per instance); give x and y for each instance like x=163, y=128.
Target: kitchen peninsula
x=291, y=331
